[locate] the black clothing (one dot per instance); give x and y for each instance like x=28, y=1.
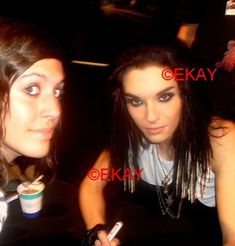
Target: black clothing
x=145, y=225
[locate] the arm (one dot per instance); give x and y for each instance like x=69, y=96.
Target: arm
x=91, y=199
x=223, y=164
x=92, y=203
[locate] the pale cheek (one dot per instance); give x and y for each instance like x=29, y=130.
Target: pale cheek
x=14, y=126
x=23, y=111
x=19, y=119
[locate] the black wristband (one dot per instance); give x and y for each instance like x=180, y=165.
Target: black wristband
x=91, y=235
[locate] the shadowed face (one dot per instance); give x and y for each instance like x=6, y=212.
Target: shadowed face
x=34, y=110
x=153, y=103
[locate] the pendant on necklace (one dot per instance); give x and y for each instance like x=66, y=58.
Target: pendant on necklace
x=165, y=182
x=169, y=200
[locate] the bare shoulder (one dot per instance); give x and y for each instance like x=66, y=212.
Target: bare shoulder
x=222, y=138
x=221, y=129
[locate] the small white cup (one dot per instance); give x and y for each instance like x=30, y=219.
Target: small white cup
x=31, y=199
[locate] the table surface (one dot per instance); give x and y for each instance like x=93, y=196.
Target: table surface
x=59, y=221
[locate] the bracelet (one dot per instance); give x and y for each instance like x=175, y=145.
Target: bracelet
x=91, y=235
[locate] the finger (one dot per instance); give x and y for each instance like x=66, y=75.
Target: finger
x=97, y=242
x=102, y=235
x=115, y=242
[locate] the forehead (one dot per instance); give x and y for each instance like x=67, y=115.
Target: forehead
x=48, y=69
x=146, y=79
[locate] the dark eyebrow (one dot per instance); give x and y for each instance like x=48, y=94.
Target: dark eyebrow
x=41, y=76
x=33, y=74
x=158, y=94
x=130, y=95
x=165, y=90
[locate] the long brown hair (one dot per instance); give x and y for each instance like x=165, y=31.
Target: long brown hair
x=21, y=45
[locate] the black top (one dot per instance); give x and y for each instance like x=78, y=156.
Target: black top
x=144, y=223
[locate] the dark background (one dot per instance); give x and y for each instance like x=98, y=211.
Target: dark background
x=94, y=30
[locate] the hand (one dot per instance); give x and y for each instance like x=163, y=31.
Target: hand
x=103, y=240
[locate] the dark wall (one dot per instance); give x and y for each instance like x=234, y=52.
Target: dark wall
x=87, y=33
x=85, y=121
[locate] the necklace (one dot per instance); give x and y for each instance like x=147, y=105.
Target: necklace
x=166, y=179
x=166, y=199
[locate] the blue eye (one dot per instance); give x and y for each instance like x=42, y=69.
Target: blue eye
x=32, y=90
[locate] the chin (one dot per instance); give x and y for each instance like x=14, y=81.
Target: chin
x=155, y=140
x=37, y=152
x=37, y=155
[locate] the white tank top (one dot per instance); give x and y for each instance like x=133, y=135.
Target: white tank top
x=154, y=172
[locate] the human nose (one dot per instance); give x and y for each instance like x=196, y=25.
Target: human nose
x=152, y=112
x=51, y=107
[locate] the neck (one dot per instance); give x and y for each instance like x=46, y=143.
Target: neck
x=165, y=150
